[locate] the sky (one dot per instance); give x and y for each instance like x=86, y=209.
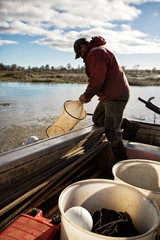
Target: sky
x=41, y=32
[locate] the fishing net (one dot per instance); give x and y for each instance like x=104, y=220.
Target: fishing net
x=72, y=114
x=112, y=223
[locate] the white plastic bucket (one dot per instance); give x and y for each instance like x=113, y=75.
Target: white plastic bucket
x=142, y=174
x=96, y=194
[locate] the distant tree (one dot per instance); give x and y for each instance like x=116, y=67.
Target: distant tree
x=41, y=68
x=47, y=67
x=82, y=69
x=2, y=67
x=136, y=66
x=14, y=67
x=7, y=68
x=35, y=69
x=69, y=66
x=20, y=69
x=154, y=69
x=29, y=68
x=61, y=68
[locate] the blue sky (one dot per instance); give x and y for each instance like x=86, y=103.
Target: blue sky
x=36, y=33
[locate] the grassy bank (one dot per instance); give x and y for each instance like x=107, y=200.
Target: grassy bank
x=135, y=78
x=48, y=77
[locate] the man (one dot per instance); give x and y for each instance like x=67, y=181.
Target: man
x=107, y=80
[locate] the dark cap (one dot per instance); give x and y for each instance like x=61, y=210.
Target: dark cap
x=77, y=45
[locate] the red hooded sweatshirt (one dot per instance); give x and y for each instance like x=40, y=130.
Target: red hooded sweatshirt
x=106, y=78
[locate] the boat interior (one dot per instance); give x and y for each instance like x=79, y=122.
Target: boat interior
x=34, y=175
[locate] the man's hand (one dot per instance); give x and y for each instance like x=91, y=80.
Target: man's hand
x=83, y=99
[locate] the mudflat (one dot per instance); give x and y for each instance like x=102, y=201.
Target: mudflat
x=14, y=136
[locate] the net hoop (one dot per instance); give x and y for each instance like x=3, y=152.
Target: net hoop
x=50, y=127
x=71, y=114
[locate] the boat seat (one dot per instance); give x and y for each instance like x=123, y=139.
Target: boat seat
x=135, y=150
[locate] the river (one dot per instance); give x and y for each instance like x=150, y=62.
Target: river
x=29, y=108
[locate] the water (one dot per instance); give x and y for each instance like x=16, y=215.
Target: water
x=27, y=109
x=29, y=103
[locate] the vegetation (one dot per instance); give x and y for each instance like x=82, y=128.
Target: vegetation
x=47, y=76
x=70, y=75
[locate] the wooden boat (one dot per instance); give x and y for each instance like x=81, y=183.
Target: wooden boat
x=35, y=175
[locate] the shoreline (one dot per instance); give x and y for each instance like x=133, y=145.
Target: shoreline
x=135, y=78
x=15, y=136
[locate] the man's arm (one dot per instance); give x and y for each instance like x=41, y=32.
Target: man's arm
x=97, y=74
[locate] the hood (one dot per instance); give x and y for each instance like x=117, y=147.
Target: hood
x=95, y=42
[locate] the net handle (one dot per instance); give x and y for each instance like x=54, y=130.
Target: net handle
x=71, y=114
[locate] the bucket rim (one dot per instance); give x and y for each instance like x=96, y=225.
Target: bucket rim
x=152, y=230
x=115, y=167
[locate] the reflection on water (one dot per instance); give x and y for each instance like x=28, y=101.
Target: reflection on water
x=27, y=103
x=137, y=110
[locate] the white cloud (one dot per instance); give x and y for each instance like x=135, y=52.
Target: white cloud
x=19, y=27
x=140, y=1
x=61, y=22
x=156, y=13
x=67, y=14
x=2, y=42
x=126, y=40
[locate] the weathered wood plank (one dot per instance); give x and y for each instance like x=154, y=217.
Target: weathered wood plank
x=24, y=165
x=70, y=170
x=27, y=153
x=80, y=158
x=149, y=134
x=33, y=180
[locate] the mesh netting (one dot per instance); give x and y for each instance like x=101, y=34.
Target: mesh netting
x=72, y=114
